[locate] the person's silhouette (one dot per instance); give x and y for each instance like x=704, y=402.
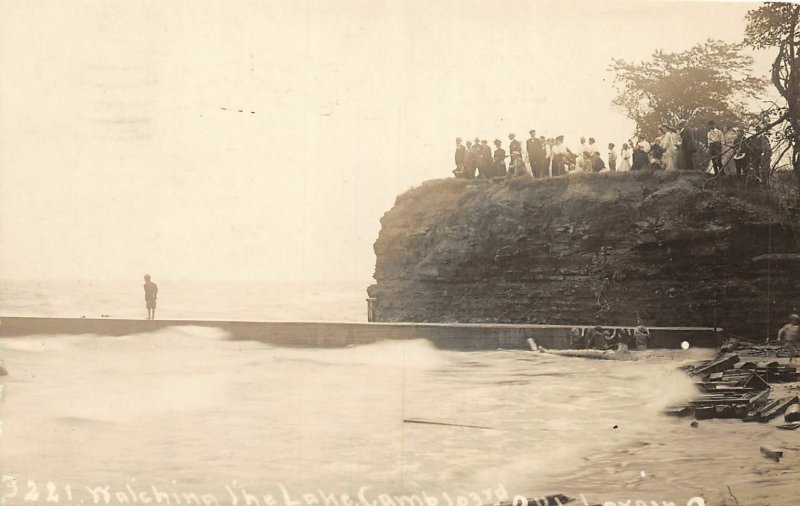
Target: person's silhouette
x=150, y=296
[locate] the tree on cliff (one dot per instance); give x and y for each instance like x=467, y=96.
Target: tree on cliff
x=710, y=80
x=777, y=25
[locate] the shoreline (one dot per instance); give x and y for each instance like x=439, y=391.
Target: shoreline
x=455, y=336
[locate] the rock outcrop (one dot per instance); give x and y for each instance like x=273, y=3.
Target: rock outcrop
x=658, y=249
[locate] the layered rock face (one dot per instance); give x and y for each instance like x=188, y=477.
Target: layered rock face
x=657, y=249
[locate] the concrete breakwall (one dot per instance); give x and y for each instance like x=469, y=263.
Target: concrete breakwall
x=452, y=336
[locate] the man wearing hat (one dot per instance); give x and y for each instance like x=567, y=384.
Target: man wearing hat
x=514, y=145
x=486, y=164
x=461, y=155
x=499, y=159
x=471, y=161
x=535, y=150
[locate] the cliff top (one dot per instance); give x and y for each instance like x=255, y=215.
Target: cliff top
x=672, y=191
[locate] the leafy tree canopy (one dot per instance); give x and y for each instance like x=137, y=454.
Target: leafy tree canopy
x=777, y=25
x=712, y=80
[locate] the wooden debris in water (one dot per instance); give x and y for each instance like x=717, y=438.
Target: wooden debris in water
x=771, y=453
x=771, y=410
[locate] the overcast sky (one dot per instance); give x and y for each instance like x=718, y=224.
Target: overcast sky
x=123, y=151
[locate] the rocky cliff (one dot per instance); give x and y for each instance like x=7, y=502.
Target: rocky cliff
x=660, y=249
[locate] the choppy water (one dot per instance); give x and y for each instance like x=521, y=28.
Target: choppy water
x=202, y=300
x=185, y=410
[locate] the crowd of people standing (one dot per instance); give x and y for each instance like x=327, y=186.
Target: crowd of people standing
x=729, y=152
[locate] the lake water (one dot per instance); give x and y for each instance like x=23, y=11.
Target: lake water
x=202, y=300
x=187, y=411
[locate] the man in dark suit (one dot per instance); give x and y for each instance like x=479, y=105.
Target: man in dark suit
x=688, y=147
x=461, y=155
x=471, y=161
x=514, y=146
x=486, y=165
x=530, y=146
x=499, y=159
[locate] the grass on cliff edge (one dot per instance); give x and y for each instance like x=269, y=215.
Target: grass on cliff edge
x=451, y=192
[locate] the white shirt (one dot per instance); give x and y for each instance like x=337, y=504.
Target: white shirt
x=715, y=135
x=668, y=141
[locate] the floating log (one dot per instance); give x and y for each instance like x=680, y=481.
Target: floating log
x=790, y=426
x=621, y=353
x=771, y=453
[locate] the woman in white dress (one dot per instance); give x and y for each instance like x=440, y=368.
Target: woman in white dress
x=624, y=158
x=670, y=147
x=729, y=139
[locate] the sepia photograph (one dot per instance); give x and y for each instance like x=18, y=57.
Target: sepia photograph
x=399, y=253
